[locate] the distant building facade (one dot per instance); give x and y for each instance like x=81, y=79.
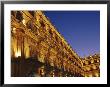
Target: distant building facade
x=34, y=36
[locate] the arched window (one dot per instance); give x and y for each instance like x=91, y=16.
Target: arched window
x=50, y=31
x=13, y=13
x=19, y=16
x=32, y=13
x=56, y=38
x=30, y=24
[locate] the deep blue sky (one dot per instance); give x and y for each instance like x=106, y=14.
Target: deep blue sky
x=81, y=29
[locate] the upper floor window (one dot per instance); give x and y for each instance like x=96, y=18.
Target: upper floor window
x=13, y=13
x=32, y=13
x=19, y=16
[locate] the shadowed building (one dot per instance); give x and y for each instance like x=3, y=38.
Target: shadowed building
x=38, y=49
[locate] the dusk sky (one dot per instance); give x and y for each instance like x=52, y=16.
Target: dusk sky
x=81, y=29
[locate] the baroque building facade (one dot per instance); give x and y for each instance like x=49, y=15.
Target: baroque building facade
x=34, y=36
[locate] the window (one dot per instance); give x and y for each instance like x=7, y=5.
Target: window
x=13, y=13
x=19, y=16
x=32, y=13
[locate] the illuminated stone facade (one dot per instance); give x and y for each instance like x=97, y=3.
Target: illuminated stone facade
x=91, y=65
x=34, y=36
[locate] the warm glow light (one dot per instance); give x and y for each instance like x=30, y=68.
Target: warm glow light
x=24, y=22
x=94, y=67
x=90, y=75
x=18, y=53
x=14, y=30
x=96, y=74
